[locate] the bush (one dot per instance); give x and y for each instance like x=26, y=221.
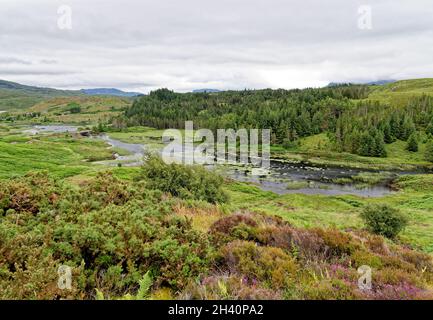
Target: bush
x=28, y=194
x=108, y=231
x=268, y=264
x=122, y=239
x=186, y=182
x=384, y=220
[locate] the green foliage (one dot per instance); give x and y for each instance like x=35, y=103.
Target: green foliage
x=412, y=143
x=186, y=182
x=384, y=220
x=145, y=285
x=124, y=240
x=297, y=263
x=429, y=151
x=110, y=232
x=74, y=107
x=268, y=264
x=358, y=125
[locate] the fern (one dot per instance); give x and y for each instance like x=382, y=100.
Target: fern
x=145, y=284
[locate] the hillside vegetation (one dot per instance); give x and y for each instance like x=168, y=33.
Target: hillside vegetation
x=354, y=119
x=132, y=240
x=163, y=231
x=17, y=96
x=400, y=92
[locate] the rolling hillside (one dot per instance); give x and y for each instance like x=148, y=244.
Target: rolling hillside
x=398, y=93
x=15, y=96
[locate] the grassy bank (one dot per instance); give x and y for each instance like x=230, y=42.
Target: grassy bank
x=318, y=150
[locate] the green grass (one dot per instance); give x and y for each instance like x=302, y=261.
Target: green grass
x=415, y=199
x=62, y=156
x=142, y=135
x=317, y=149
x=399, y=93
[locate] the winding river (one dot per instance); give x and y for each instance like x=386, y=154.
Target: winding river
x=305, y=178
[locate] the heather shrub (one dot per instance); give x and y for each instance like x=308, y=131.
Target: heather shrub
x=392, y=276
x=377, y=245
x=363, y=257
x=338, y=243
x=421, y=261
x=400, y=291
x=384, y=220
x=268, y=264
x=227, y=224
x=269, y=231
x=237, y=226
x=303, y=244
x=395, y=262
x=331, y=289
x=29, y=193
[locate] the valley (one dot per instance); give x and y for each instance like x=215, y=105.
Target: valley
x=321, y=180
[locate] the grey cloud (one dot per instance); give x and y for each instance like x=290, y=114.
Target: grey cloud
x=12, y=60
x=141, y=45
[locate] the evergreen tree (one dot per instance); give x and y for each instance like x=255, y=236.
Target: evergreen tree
x=408, y=128
x=379, y=146
x=412, y=143
x=366, y=145
x=429, y=151
x=387, y=133
x=429, y=129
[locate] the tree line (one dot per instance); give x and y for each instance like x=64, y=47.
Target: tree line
x=355, y=124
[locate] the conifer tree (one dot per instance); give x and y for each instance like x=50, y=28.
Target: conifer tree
x=429, y=151
x=412, y=143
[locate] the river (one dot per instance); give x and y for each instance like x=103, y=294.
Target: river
x=284, y=178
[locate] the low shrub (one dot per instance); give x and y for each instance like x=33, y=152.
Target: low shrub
x=113, y=232
x=340, y=244
x=362, y=257
x=29, y=193
x=332, y=289
x=125, y=240
x=268, y=264
x=384, y=220
x=186, y=182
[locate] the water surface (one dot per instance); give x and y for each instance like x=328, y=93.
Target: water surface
x=312, y=179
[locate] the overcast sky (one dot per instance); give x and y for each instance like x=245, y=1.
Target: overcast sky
x=141, y=45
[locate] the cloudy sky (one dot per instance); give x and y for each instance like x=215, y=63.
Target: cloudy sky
x=141, y=45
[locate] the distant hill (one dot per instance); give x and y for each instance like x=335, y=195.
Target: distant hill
x=8, y=85
x=206, y=91
x=109, y=92
x=18, y=96
x=14, y=96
